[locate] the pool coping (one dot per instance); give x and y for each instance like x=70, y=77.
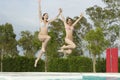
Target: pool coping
x=58, y=74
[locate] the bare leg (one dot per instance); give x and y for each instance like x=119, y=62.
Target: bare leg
x=45, y=43
x=44, y=39
x=42, y=48
x=69, y=51
x=70, y=45
x=66, y=52
x=39, y=56
x=61, y=50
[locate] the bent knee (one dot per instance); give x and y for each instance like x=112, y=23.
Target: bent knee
x=70, y=51
x=74, y=46
x=48, y=37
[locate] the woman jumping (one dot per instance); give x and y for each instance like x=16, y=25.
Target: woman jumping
x=43, y=33
x=69, y=27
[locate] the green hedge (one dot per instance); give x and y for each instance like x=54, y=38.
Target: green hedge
x=72, y=64
x=58, y=65
x=0, y=62
x=101, y=65
x=22, y=64
x=119, y=64
x=80, y=64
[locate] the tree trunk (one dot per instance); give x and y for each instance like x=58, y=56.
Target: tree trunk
x=99, y=57
x=90, y=54
x=94, y=63
x=1, y=60
x=46, y=61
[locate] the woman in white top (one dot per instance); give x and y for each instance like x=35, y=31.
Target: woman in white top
x=43, y=33
x=69, y=27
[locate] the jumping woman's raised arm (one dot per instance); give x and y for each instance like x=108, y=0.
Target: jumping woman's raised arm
x=51, y=20
x=81, y=15
x=62, y=17
x=39, y=10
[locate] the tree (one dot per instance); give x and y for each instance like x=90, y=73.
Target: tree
x=107, y=18
x=96, y=43
x=8, y=43
x=80, y=31
x=113, y=7
x=57, y=33
x=29, y=43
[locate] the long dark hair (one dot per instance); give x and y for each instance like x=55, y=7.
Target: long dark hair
x=68, y=19
x=44, y=15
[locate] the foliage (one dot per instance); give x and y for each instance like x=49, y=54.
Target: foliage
x=8, y=43
x=29, y=43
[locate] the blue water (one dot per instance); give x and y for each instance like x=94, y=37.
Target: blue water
x=99, y=78
x=60, y=78
x=89, y=78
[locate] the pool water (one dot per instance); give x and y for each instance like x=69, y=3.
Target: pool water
x=99, y=78
x=58, y=76
x=88, y=78
x=84, y=78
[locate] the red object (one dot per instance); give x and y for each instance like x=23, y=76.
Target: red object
x=112, y=60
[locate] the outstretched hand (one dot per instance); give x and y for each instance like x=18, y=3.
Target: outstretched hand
x=39, y=1
x=60, y=10
x=81, y=15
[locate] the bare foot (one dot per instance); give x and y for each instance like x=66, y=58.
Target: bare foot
x=63, y=47
x=68, y=51
x=65, y=55
x=35, y=65
x=43, y=50
x=61, y=50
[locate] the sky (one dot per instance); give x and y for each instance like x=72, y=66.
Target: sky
x=23, y=14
